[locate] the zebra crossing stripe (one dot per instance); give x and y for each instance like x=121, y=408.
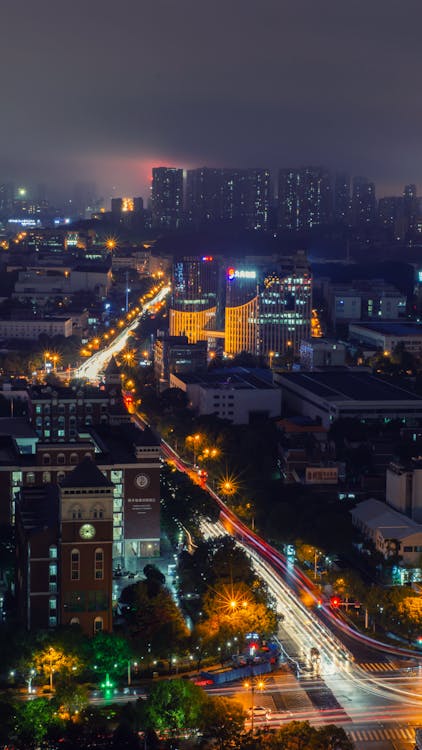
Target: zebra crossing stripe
x=362, y=735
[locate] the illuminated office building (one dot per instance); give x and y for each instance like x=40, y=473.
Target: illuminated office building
x=268, y=306
x=284, y=308
x=241, y=310
x=195, y=286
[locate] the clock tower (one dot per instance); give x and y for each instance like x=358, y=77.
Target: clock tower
x=86, y=548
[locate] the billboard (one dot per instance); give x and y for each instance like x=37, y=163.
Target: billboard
x=142, y=503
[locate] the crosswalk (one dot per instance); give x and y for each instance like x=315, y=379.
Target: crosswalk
x=379, y=666
x=377, y=735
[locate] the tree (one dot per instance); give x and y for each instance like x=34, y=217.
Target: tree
x=232, y=610
x=222, y=719
x=70, y=699
x=34, y=719
x=410, y=613
x=172, y=705
x=109, y=653
x=331, y=737
x=50, y=661
x=155, y=623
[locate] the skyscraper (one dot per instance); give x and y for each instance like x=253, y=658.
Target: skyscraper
x=363, y=202
x=342, y=198
x=240, y=196
x=240, y=330
x=284, y=307
x=304, y=198
x=410, y=207
x=195, y=286
x=167, y=197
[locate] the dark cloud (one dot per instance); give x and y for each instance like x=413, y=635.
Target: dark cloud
x=106, y=89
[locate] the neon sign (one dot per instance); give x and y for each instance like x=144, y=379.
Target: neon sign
x=233, y=273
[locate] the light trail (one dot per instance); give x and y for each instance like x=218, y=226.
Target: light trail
x=98, y=361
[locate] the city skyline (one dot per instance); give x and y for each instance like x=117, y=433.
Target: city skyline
x=110, y=95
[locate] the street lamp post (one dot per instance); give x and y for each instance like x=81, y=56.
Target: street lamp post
x=252, y=684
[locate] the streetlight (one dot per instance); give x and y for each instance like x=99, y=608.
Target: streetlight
x=252, y=684
x=55, y=358
x=195, y=440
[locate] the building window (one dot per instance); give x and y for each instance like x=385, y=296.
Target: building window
x=46, y=476
x=52, y=577
x=75, y=565
x=98, y=512
x=99, y=564
x=30, y=477
x=73, y=458
x=74, y=621
x=53, y=552
x=60, y=476
x=46, y=459
x=98, y=625
x=76, y=513
x=61, y=459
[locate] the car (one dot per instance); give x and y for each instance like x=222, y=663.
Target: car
x=259, y=712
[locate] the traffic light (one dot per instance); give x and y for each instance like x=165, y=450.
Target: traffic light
x=319, y=603
x=335, y=601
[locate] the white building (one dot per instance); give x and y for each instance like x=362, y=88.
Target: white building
x=404, y=489
x=31, y=329
x=236, y=394
x=392, y=533
x=386, y=336
x=321, y=353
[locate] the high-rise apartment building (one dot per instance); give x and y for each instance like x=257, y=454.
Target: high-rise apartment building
x=203, y=195
x=195, y=293
x=410, y=206
x=240, y=196
x=304, y=198
x=341, y=206
x=167, y=197
x=363, y=202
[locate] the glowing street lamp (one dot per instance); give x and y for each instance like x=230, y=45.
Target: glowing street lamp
x=195, y=440
x=253, y=684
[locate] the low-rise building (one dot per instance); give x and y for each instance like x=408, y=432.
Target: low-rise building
x=393, y=534
x=34, y=327
x=173, y=354
x=333, y=394
x=237, y=394
x=316, y=352
x=386, y=336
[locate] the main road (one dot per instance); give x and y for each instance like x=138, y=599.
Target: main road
x=93, y=366
x=376, y=701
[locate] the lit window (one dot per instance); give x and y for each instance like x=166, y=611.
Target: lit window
x=76, y=512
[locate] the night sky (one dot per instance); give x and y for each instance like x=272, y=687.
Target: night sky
x=105, y=90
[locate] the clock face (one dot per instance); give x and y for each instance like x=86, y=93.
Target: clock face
x=87, y=531
x=141, y=481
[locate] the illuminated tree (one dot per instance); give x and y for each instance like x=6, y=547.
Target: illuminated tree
x=232, y=610
x=110, y=653
x=50, y=661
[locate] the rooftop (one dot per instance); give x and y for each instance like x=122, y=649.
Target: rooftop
x=86, y=474
x=392, y=328
x=119, y=442
x=233, y=378
x=378, y=515
x=347, y=385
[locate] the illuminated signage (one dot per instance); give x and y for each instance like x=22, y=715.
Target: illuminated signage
x=233, y=273
x=207, y=258
x=420, y=276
